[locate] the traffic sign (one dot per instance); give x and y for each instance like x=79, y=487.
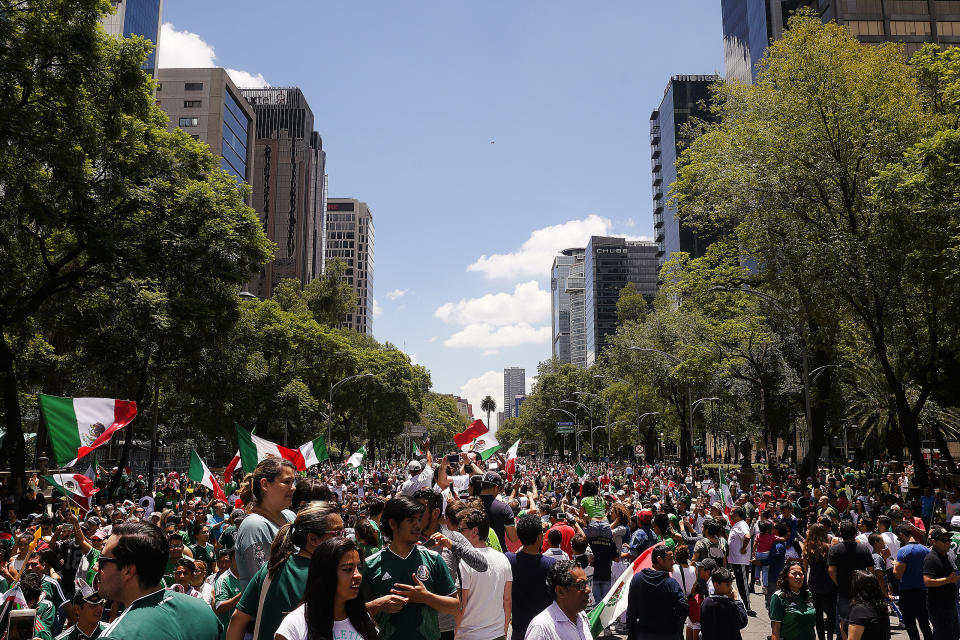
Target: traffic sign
x=565, y=430
x=564, y=424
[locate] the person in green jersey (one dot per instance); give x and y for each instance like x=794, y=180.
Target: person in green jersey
x=89, y=610
x=131, y=566
x=226, y=591
x=405, y=584
x=203, y=550
x=284, y=576
x=792, y=614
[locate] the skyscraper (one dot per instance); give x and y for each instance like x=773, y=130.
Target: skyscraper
x=609, y=264
x=288, y=186
x=749, y=25
x=137, y=18
x=514, y=384
x=578, y=313
x=685, y=97
x=350, y=237
x=560, y=302
x=207, y=105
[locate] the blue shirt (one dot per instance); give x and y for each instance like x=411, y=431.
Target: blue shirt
x=926, y=506
x=913, y=556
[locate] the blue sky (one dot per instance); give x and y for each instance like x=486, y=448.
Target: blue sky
x=484, y=135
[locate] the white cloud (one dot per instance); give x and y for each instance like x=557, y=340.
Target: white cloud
x=535, y=256
x=433, y=338
x=377, y=309
x=413, y=358
x=490, y=338
x=187, y=50
x=396, y=294
x=486, y=384
x=527, y=304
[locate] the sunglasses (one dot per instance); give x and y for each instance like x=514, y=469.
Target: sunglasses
x=580, y=585
x=108, y=560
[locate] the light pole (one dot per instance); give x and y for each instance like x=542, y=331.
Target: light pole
x=575, y=442
x=636, y=399
x=333, y=387
x=689, y=392
x=589, y=413
x=606, y=412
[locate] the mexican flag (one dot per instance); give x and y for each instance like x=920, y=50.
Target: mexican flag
x=77, y=426
x=231, y=467
x=580, y=471
x=356, y=460
x=416, y=453
x=253, y=449
x=13, y=600
x=200, y=473
x=615, y=602
x=314, y=452
x=511, y=467
x=728, y=502
x=75, y=484
x=478, y=437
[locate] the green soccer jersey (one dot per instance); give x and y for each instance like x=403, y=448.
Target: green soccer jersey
x=285, y=594
x=165, y=615
x=46, y=612
x=205, y=553
x=414, y=621
x=796, y=615
x=74, y=633
x=226, y=586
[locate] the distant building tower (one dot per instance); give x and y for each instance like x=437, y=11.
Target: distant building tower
x=514, y=384
x=609, y=264
x=137, y=18
x=517, y=401
x=685, y=97
x=578, y=312
x=500, y=419
x=288, y=186
x=560, y=302
x=207, y=105
x=350, y=237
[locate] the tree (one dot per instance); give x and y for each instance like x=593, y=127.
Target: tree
x=488, y=405
x=631, y=305
x=95, y=190
x=330, y=297
x=819, y=167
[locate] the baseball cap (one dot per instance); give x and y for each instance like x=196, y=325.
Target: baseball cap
x=492, y=477
x=414, y=467
x=955, y=522
x=707, y=563
x=90, y=598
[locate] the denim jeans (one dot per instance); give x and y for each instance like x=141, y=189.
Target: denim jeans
x=600, y=589
x=843, y=612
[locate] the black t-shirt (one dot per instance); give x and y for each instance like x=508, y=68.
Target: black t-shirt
x=847, y=557
x=601, y=543
x=938, y=566
x=530, y=594
x=876, y=624
x=501, y=515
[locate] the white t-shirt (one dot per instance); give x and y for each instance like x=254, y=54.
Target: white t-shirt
x=738, y=533
x=483, y=617
x=294, y=627
x=458, y=484
x=893, y=543
x=687, y=579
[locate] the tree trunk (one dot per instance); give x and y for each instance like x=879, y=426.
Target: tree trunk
x=942, y=445
x=13, y=442
x=819, y=407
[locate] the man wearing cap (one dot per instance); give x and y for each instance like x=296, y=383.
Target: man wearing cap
x=131, y=567
x=501, y=516
x=89, y=610
x=420, y=477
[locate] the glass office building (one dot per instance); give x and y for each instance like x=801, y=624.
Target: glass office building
x=137, y=18
x=609, y=264
x=560, y=302
x=685, y=97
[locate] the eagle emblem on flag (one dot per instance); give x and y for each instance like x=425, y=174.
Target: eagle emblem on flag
x=92, y=433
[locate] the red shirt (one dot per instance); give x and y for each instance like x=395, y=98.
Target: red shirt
x=566, y=535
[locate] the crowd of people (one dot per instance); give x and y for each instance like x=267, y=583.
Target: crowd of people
x=431, y=549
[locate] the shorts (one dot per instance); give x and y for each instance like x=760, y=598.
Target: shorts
x=693, y=625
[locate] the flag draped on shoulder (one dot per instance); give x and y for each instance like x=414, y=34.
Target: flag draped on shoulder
x=615, y=602
x=728, y=502
x=77, y=426
x=200, y=473
x=253, y=449
x=314, y=452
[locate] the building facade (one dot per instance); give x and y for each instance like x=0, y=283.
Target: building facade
x=578, y=312
x=350, y=238
x=749, y=25
x=560, y=302
x=137, y=18
x=288, y=186
x=517, y=403
x=684, y=98
x=514, y=384
x=206, y=104
x=609, y=264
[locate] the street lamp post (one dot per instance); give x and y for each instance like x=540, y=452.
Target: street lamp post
x=589, y=413
x=606, y=412
x=333, y=387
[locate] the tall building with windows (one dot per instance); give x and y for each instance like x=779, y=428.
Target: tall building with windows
x=578, y=314
x=207, y=105
x=560, y=302
x=514, y=384
x=289, y=186
x=684, y=98
x=609, y=264
x=137, y=18
x=350, y=237
x=750, y=25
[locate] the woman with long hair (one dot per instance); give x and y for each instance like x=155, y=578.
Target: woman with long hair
x=331, y=607
x=266, y=495
x=792, y=614
x=822, y=587
x=278, y=587
x=869, y=619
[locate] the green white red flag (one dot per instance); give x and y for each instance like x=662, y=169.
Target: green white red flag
x=199, y=472
x=73, y=484
x=253, y=449
x=615, y=602
x=77, y=426
x=511, y=466
x=314, y=452
x=356, y=460
x=478, y=437
x=416, y=453
x=728, y=502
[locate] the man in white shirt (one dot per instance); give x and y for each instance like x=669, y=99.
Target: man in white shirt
x=564, y=619
x=738, y=554
x=486, y=598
